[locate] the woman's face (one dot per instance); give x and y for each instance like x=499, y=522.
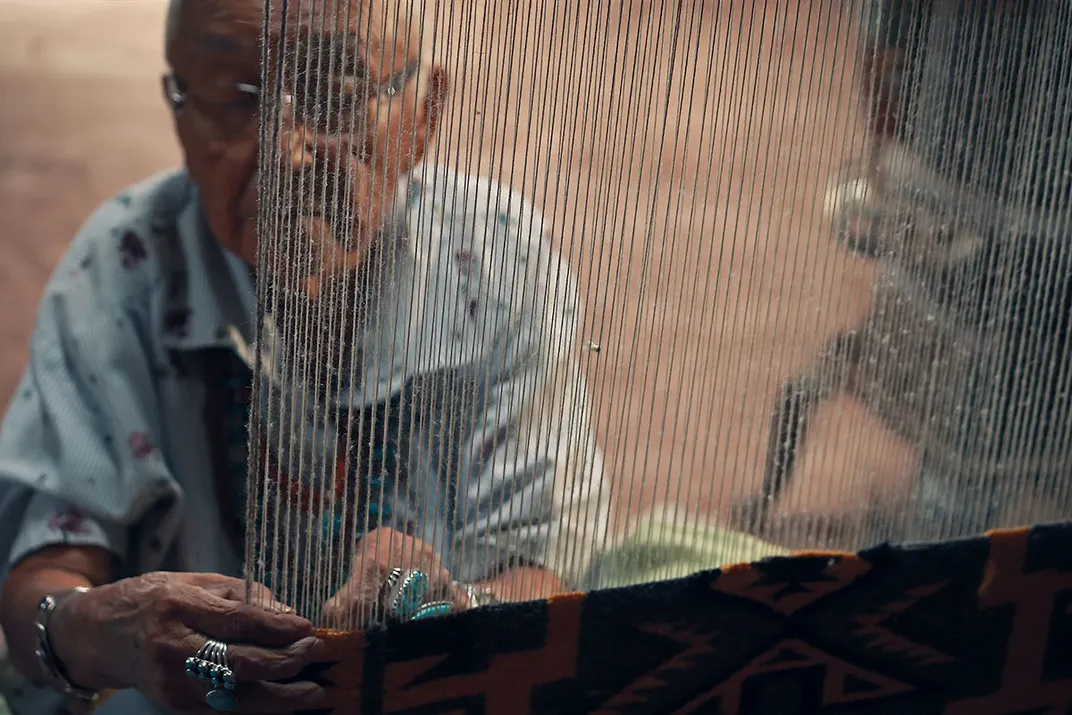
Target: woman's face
x=344, y=123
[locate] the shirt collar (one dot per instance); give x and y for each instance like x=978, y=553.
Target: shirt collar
x=210, y=289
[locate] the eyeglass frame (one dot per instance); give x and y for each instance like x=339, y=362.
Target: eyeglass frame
x=177, y=98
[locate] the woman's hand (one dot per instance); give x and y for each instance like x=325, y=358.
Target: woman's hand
x=378, y=553
x=138, y=632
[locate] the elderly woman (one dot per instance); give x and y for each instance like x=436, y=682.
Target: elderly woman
x=125, y=502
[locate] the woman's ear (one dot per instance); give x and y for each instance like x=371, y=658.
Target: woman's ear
x=425, y=122
x=429, y=112
x=404, y=138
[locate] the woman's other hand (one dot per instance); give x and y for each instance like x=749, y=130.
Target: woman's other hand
x=379, y=553
x=138, y=632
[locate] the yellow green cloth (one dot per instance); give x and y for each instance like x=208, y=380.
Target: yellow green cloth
x=659, y=549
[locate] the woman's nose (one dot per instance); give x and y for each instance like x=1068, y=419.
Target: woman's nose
x=303, y=149
x=308, y=149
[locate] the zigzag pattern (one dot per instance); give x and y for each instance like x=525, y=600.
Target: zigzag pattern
x=981, y=626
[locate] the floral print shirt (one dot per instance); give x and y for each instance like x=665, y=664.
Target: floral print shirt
x=128, y=429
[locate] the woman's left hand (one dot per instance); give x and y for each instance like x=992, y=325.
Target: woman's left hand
x=378, y=554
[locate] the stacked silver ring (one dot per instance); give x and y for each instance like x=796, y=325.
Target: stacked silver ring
x=392, y=580
x=210, y=663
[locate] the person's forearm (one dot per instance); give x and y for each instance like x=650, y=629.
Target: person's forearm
x=48, y=571
x=524, y=584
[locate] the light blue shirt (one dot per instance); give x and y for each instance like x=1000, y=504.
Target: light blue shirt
x=106, y=436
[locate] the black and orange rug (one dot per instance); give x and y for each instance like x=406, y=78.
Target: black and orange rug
x=974, y=627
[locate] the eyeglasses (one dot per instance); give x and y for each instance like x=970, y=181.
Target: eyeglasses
x=225, y=117
x=333, y=104
x=235, y=115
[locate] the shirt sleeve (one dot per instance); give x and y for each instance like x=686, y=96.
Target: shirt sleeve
x=529, y=487
x=80, y=429
x=532, y=490
x=49, y=521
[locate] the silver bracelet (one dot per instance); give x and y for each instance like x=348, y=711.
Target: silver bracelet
x=46, y=654
x=478, y=597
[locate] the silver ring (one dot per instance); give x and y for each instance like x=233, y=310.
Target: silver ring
x=407, y=594
x=392, y=580
x=432, y=609
x=210, y=663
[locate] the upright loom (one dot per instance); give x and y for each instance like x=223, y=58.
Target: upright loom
x=776, y=284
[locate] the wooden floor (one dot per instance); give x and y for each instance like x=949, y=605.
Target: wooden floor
x=704, y=290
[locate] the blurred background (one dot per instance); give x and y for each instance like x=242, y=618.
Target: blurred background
x=81, y=118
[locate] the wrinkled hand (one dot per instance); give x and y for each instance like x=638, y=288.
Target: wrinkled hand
x=380, y=551
x=892, y=205
x=138, y=632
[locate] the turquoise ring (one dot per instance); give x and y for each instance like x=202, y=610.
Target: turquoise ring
x=433, y=609
x=407, y=595
x=223, y=701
